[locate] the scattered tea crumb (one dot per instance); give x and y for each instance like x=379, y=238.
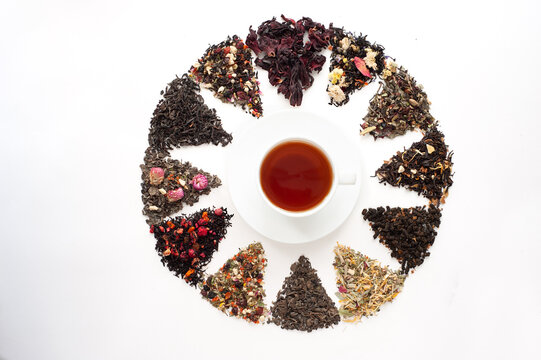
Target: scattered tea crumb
x=167, y=185
x=426, y=168
x=182, y=118
x=302, y=303
x=354, y=63
x=399, y=105
x=363, y=284
x=408, y=233
x=228, y=70
x=187, y=243
x=237, y=288
x=285, y=55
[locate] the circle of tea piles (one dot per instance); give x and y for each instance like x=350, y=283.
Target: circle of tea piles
x=302, y=303
x=187, y=243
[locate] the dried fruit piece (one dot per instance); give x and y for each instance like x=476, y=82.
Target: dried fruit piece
x=187, y=253
x=237, y=288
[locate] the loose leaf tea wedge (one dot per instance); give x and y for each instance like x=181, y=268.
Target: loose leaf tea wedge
x=237, y=288
x=227, y=69
x=168, y=184
x=186, y=243
x=363, y=284
x=355, y=62
x=287, y=58
x=426, y=168
x=182, y=118
x=302, y=303
x=408, y=233
x=399, y=105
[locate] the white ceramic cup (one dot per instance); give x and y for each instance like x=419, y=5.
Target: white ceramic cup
x=338, y=179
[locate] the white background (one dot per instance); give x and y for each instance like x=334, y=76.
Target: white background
x=79, y=277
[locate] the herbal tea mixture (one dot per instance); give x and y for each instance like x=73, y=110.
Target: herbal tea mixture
x=169, y=184
x=302, y=303
x=291, y=51
x=408, y=233
x=363, y=284
x=187, y=243
x=426, y=168
x=354, y=63
x=287, y=58
x=227, y=69
x=182, y=118
x=237, y=289
x=399, y=105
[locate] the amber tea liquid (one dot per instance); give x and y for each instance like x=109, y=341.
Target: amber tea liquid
x=296, y=175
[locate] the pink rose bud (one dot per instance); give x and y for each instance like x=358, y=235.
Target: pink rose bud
x=156, y=176
x=199, y=182
x=175, y=195
x=342, y=289
x=219, y=212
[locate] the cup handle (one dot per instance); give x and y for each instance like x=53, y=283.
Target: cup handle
x=347, y=179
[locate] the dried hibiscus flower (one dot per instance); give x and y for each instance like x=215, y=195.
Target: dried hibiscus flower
x=288, y=59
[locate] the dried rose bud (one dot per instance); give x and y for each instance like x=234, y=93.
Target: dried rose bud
x=199, y=182
x=156, y=175
x=175, y=195
x=219, y=212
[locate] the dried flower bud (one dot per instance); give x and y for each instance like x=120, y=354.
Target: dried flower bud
x=175, y=195
x=156, y=175
x=199, y=182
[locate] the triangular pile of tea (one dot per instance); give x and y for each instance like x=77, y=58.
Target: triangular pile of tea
x=408, y=233
x=182, y=118
x=288, y=59
x=227, y=69
x=363, y=284
x=186, y=243
x=168, y=184
x=237, y=288
x=354, y=63
x=302, y=303
x=399, y=105
x=426, y=168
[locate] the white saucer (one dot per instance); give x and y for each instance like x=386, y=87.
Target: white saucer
x=247, y=150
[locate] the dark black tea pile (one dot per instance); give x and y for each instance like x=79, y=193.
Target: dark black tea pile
x=289, y=60
x=399, y=105
x=187, y=243
x=426, y=168
x=227, y=69
x=166, y=187
x=354, y=63
x=408, y=233
x=182, y=118
x=302, y=303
